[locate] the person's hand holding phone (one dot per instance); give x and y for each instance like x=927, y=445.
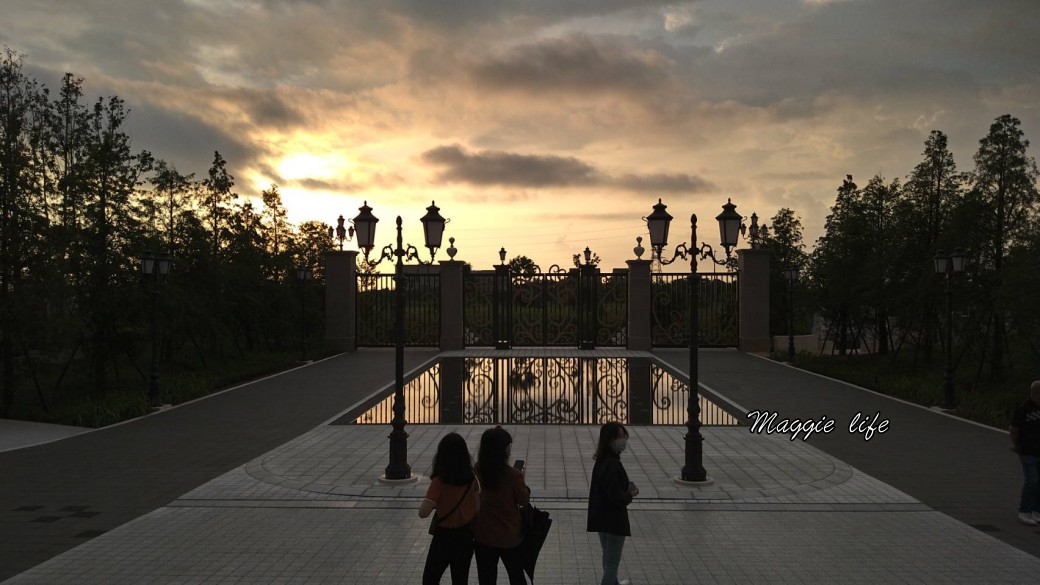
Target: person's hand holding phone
x=632, y=489
x=519, y=465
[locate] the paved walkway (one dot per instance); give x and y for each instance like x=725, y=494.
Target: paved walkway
x=56, y=496
x=299, y=503
x=959, y=468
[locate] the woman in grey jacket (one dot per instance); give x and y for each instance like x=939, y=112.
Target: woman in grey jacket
x=609, y=496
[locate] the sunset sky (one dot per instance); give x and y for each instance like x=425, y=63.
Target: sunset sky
x=545, y=126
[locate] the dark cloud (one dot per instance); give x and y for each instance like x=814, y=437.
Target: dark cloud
x=538, y=171
x=509, y=169
x=669, y=183
x=575, y=63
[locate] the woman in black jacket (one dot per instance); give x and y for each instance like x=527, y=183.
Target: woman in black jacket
x=609, y=497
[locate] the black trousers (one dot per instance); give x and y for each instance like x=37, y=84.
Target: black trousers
x=450, y=547
x=487, y=564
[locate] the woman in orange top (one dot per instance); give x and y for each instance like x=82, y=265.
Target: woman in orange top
x=455, y=494
x=498, y=530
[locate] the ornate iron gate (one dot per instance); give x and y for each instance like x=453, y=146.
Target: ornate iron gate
x=374, y=310
x=717, y=310
x=576, y=308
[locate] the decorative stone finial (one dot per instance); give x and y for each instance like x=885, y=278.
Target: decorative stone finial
x=451, y=249
x=639, y=248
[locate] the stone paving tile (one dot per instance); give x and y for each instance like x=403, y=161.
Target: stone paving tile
x=346, y=460
x=346, y=545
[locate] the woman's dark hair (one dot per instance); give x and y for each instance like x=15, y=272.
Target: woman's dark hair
x=608, y=433
x=491, y=457
x=452, y=463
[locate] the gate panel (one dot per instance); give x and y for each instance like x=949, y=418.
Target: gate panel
x=717, y=310
x=375, y=310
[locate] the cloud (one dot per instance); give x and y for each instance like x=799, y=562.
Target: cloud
x=575, y=63
x=509, y=169
x=542, y=171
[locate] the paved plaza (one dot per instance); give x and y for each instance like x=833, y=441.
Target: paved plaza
x=310, y=508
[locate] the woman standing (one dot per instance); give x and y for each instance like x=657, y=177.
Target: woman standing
x=609, y=497
x=455, y=494
x=498, y=529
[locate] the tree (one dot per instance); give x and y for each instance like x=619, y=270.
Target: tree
x=1004, y=181
x=523, y=266
x=18, y=98
x=217, y=195
x=111, y=176
x=784, y=241
x=174, y=186
x=276, y=233
x=838, y=284
x=920, y=217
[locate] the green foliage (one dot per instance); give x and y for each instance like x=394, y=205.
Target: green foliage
x=987, y=402
x=78, y=205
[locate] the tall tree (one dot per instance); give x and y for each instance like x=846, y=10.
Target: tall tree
x=276, y=233
x=217, y=195
x=1004, y=180
x=170, y=189
x=784, y=241
x=921, y=216
x=17, y=98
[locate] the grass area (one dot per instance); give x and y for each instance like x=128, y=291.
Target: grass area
x=126, y=396
x=988, y=402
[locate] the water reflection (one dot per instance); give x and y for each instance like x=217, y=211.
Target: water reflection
x=546, y=390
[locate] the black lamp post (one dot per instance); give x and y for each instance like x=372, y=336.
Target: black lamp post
x=303, y=275
x=730, y=225
x=341, y=233
x=791, y=276
x=502, y=305
x=433, y=230
x=949, y=265
x=587, y=302
x=155, y=266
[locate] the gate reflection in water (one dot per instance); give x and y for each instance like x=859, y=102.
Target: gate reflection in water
x=546, y=390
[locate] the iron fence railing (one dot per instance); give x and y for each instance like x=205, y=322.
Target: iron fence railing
x=374, y=310
x=545, y=390
x=717, y=310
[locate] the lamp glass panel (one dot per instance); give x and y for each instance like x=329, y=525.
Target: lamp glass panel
x=148, y=264
x=958, y=260
x=940, y=264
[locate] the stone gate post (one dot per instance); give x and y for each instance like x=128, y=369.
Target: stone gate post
x=340, y=299
x=639, y=305
x=451, y=305
x=753, y=336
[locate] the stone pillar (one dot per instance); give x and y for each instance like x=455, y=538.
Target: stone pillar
x=639, y=305
x=640, y=394
x=453, y=371
x=340, y=299
x=754, y=300
x=451, y=306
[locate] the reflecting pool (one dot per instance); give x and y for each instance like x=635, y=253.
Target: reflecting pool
x=545, y=390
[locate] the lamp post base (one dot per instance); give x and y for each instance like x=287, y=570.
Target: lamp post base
x=684, y=483
x=383, y=479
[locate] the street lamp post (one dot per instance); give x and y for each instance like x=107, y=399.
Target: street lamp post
x=730, y=224
x=791, y=276
x=155, y=266
x=303, y=275
x=587, y=302
x=949, y=265
x=502, y=305
x=341, y=232
x=433, y=230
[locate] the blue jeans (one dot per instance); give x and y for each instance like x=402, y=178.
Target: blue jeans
x=612, y=545
x=1030, y=501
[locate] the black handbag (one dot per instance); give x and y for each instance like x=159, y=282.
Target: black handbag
x=435, y=521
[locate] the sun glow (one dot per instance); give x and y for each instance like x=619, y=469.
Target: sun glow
x=311, y=166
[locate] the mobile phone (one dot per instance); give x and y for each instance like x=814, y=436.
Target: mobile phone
x=518, y=464
x=631, y=486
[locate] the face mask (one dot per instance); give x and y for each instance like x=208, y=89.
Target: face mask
x=618, y=445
